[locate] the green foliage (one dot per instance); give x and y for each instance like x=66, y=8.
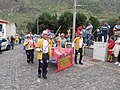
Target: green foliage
x=112, y=22
x=46, y=20
x=65, y=20
x=31, y=26
x=80, y=19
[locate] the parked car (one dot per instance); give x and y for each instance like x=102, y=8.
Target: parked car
x=5, y=44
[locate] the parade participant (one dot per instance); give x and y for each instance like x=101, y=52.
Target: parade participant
x=111, y=44
x=62, y=41
x=69, y=35
x=0, y=45
x=20, y=39
x=12, y=41
x=78, y=42
x=16, y=39
x=105, y=29
x=89, y=29
x=51, y=41
x=116, y=49
x=43, y=54
x=29, y=46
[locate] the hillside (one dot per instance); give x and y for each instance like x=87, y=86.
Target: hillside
x=22, y=11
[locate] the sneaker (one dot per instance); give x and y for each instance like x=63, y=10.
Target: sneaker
x=110, y=61
x=107, y=60
x=81, y=63
x=39, y=75
x=45, y=77
x=116, y=63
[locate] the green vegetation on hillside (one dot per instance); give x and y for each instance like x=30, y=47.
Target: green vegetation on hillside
x=23, y=11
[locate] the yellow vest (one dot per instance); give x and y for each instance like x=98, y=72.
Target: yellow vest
x=60, y=40
x=69, y=33
x=16, y=37
x=77, y=42
x=40, y=45
x=51, y=42
x=26, y=44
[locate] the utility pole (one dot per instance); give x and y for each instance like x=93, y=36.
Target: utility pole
x=74, y=20
x=37, y=24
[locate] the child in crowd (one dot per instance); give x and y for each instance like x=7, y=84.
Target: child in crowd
x=99, y=35
x=111, y=44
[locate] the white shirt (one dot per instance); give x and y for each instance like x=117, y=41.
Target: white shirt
x=45, y=46
x=80, y=43
x=89, y=29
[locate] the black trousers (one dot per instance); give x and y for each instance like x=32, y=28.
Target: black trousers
x=76, y=53
x=119, y=57
x=43, y=65
x=30, y=55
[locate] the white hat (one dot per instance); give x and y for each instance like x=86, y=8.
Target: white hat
x=62, y=34
x=45, y=32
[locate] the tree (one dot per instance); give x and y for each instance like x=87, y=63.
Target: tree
x=65, y=20
x=80, y=19
x=32, y=27
x=112, y=22
x=46, y=20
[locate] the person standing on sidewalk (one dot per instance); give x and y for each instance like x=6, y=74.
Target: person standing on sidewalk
x=43, y=54
x=89, y=29
x=78, y=42
x=105, y=29
x=29, y=45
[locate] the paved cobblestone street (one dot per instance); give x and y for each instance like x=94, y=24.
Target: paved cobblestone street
x=16, y=74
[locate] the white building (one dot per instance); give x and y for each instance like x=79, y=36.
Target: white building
x=7, y=28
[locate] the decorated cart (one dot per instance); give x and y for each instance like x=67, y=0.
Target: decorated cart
x=63, y=57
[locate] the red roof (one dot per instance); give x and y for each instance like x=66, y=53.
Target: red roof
x=4, y=21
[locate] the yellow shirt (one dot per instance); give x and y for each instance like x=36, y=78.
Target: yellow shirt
x=60, y=42
x=77, y=43
x=40, y=45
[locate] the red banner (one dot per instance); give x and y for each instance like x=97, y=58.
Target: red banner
x=64, y=62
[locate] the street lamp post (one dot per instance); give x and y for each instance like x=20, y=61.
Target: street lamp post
x=37, y=25
x=74, y=20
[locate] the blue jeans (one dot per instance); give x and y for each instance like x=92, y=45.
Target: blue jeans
x=85, y=40
x=12, y=44
x=88, y=39
x=105, y=33
x=99, y=35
